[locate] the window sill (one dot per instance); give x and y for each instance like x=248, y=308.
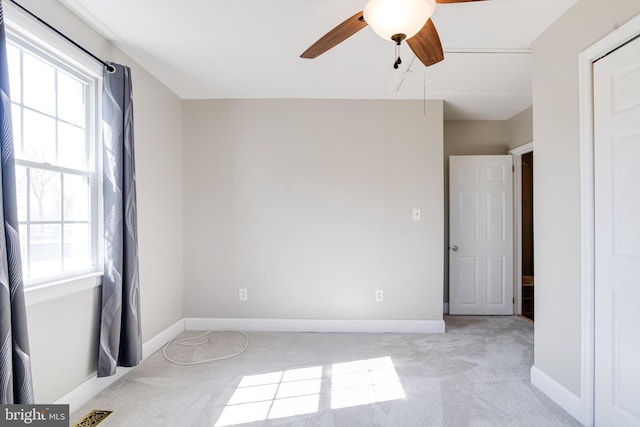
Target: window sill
x=38, y=294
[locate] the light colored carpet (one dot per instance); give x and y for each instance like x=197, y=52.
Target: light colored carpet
x=477, y=374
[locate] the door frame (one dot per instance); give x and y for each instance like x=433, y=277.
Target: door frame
x=609, y=43
x=517, y=223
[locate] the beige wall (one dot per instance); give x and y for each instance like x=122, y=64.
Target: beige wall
x=520, y=128
x=63, y=331
x=557, y=182
x=63, y=335
x=307, y=204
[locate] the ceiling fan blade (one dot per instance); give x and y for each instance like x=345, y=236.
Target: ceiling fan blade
x=339, y=34
x=426, y=45
x=455, y=1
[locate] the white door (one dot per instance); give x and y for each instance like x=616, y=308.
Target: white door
x=480, y=235
x=617, y=237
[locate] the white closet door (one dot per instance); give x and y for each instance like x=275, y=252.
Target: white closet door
x=617, y=237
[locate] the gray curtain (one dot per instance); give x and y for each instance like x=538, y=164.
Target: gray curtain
x=15, y=362
x=120, y=329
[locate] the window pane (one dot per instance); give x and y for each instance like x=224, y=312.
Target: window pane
x=21, y=190
x=71, y=147
x=39, y=138
x=44, y=249
x=45, y=195
x=77, y=246
x=77, y=198
x=16, y=111
x=71, y=106
x=51, y=104
x=13, y=57
x=39, y=84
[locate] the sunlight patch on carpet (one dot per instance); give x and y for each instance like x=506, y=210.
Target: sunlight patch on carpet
x=364, y=382
x=296, y=392
x=274, y=395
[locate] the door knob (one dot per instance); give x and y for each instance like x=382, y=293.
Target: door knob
x=454, y=248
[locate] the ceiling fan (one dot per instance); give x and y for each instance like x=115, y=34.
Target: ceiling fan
x=395, y=20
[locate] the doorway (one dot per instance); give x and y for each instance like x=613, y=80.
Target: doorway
x=524, y=281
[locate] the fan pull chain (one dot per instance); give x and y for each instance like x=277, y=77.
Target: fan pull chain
x=398, y=60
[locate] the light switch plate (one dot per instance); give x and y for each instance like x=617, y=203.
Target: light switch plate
x=417, y=214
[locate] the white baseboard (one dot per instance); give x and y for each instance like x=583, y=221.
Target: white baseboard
x=445, y=308
x=158, y=341
x=316, y=325
x=557, y=392
x=88, y=389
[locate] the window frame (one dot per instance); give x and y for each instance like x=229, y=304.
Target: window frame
x=24, y=31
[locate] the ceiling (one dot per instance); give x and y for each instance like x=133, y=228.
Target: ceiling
x=208, y=49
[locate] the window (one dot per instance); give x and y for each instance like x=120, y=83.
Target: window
x=54, y=110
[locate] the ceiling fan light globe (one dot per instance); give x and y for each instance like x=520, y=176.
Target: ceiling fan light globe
x=391, y=17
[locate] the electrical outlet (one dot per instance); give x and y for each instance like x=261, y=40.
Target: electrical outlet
x=242, y=294
x=379, y=295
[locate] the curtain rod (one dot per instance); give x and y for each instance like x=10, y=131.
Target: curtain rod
x=110, y=68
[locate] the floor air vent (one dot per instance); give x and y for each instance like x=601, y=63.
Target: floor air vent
x=93, y=418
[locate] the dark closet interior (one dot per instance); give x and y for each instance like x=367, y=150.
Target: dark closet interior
x=528, y=281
